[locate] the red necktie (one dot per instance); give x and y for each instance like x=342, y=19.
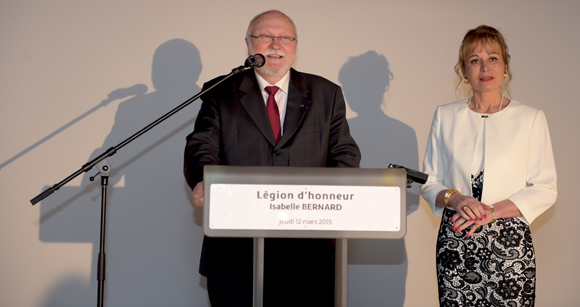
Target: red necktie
x=273, y=112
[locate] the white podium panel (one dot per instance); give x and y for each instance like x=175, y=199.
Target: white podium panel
x=304, y=202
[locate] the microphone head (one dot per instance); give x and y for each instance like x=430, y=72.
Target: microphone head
x=256, y=60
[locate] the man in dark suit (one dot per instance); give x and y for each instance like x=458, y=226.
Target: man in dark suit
x=239, y=123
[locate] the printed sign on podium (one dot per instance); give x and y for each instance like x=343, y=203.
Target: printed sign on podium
x=304, y=202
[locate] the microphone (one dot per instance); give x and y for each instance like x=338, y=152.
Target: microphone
x=256, y=60
x=412, y=175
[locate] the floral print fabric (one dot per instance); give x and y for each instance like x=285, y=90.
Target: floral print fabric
x=494, y=267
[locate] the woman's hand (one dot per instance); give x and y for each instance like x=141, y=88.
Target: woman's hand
x=461, y=223
x=467, y=207
x=469, y=212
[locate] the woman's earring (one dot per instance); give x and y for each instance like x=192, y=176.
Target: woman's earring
x=505, y=75
x=465, y=80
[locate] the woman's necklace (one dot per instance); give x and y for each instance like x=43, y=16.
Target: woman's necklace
x=500, y=103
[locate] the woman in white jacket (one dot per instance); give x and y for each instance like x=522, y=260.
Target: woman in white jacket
x=485, y=255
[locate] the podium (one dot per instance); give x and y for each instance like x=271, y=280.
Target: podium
x=304, y=202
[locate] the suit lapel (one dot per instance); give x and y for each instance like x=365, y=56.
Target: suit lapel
x=250, y=97
x=296, y=106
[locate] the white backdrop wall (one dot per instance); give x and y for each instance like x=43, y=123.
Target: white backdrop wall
x=78, y=77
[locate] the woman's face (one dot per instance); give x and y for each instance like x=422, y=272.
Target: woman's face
x=484, y=68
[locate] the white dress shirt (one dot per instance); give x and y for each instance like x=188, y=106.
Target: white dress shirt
x=281, y=96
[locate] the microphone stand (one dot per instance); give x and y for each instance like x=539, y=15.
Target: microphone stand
x=105, y=168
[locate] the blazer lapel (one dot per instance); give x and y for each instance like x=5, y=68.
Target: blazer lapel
x=296, y=107
x=250, y=97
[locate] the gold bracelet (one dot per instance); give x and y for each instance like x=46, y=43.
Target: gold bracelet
x=493, y=217
x=447, y=194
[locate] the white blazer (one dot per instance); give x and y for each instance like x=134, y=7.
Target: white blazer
x=519, y=163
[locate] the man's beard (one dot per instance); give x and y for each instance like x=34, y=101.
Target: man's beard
x=269, y=71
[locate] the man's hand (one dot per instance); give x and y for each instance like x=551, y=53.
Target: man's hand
x=197, y=194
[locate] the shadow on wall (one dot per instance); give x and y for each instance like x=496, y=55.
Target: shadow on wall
x=378, y=268
x=153, y=237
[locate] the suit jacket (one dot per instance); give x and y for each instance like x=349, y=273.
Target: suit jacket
x=519, y=163
x=233, y=128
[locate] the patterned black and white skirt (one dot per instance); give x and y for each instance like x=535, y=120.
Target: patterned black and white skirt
x=494, y=267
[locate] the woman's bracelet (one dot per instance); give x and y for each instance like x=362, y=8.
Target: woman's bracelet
x=493, y=217
x=447, y=194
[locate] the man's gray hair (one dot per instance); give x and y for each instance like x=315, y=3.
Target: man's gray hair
x=253, y=21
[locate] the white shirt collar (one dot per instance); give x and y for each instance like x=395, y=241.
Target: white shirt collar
x=282, y=84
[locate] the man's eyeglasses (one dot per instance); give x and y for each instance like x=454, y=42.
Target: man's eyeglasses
x=284, y=40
